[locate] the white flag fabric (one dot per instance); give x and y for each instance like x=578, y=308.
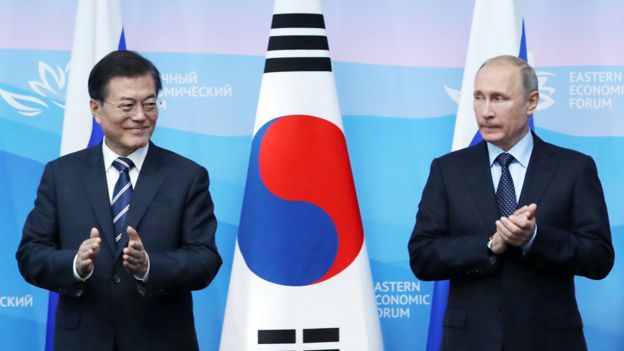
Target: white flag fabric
x=98, y=31
x=301, y=277
x=496, y=30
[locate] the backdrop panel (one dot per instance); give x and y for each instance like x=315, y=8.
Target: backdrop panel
x=397, y=66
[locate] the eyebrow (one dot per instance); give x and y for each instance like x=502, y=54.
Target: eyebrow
x=151, y=96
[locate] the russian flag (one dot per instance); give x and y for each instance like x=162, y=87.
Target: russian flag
x=97, y=32
x=497, y=29
x=301, y=277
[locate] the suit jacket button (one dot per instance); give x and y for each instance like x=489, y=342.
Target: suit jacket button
x=116, y=279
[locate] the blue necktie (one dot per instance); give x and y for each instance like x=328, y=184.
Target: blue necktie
x=122, y=194
x=505, y=193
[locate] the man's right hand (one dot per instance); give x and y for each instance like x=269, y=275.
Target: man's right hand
x=87, y=252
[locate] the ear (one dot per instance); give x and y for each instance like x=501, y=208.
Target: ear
x=533, y=101
x=96, y=110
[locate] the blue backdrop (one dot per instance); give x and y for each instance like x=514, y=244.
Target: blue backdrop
x=392, y=61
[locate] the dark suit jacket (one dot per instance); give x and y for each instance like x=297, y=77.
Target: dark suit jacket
x=519, y=302
x=173, y=213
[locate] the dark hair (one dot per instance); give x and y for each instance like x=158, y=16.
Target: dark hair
x=528, y=78
x=121, y=63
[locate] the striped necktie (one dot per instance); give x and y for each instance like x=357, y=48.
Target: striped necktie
x=122, y=194
x=505, y=193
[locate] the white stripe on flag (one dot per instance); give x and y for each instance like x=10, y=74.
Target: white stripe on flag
x=297, y=31
x=496, y=30
x=297, y=53
x=97, y=32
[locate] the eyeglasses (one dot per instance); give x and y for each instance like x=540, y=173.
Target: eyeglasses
x=149, y=107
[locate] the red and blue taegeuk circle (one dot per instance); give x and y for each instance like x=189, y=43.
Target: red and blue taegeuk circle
x=300, y=223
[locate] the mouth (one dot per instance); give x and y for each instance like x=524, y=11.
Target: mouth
x=489, y=127
x=138, y=130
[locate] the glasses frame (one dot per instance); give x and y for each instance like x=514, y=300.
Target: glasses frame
x=130, y=108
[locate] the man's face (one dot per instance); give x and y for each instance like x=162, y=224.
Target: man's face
x=128, y=114
x=501, y=107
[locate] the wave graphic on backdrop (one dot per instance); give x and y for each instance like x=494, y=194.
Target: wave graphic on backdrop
x=300, y=202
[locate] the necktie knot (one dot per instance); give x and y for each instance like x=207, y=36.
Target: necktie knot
x=504, y=159
x=123, y=164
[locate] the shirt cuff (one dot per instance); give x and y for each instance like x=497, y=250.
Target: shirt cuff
x=527, y=246
x=76, y=272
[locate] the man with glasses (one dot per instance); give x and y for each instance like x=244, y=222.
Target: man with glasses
x=122, y=231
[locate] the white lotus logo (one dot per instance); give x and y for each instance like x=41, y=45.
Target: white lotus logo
x=546, y=92
x=51, y=86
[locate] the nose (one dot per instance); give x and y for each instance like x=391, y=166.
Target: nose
x=139, y=115
x=486, y=111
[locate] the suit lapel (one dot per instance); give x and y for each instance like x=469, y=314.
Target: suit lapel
x=476, y=170
x=150, y=179
x=95, y=185
x=539, y=173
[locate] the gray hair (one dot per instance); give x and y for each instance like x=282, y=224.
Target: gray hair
x=527, y=73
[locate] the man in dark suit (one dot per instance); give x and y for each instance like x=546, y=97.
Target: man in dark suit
x=122, y=231
x=511, y=235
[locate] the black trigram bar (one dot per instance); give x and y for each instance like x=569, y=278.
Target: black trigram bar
x=298, y=20
x=324, y=350
x=321, y=335
x=277, y=336
x=298, y=42
x=292, y=64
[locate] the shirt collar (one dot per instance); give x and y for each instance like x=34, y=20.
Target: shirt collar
x=137, y=157
x=521, y=151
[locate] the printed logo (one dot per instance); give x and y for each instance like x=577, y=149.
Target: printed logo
x=51, y=87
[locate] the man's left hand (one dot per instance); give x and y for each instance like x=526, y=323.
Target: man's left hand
x=134, y=256
x=518, y=228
